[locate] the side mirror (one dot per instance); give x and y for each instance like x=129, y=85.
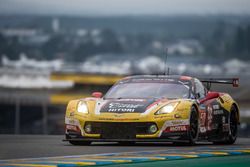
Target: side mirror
x=210, y=95
x=97, y=94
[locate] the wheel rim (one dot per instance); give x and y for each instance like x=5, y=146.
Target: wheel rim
x=233, y=123
x=193, y=124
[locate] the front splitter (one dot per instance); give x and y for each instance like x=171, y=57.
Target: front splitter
x=128, y=140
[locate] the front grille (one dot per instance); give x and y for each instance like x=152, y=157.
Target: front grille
x=119, y=129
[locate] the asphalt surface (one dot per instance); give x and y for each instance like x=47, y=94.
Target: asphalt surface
x=50, y=151
x=34, y=146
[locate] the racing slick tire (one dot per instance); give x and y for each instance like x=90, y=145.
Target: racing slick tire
x=194, y=126
x=80, y=143
x=233, y=128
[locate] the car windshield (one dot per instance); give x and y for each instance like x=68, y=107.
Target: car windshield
x=149, y=90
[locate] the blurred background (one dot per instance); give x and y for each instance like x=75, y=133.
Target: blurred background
x=53, y=51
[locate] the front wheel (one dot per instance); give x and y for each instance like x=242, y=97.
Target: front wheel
x=194, y=126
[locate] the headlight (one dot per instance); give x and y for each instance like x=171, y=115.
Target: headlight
x=82, y=107
x=167, y=108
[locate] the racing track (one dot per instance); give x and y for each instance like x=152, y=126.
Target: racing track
x=37, y=146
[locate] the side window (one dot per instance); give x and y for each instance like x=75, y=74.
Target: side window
x=200, y=90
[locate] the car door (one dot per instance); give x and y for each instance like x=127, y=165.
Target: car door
x=211, y=113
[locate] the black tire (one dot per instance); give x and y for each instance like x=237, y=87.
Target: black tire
x=80, y=143
x=233, y=128
x=126, y=143
x=194, y=126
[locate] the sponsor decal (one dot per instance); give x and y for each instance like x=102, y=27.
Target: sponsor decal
x=174, y=124
x=123, y=107
x=177, y=128
x=177, y=122
x=126, y=106
x=216, y=107
x=209, y=117
x=153, y=80
x=218, y=112
x=203, y=118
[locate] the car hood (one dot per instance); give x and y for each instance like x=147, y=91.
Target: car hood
x=127, y=105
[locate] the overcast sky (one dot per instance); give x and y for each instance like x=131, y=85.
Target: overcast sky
x=124, y=7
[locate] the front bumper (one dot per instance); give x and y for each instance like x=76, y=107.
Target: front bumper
x=126, y=131
x=120, y=136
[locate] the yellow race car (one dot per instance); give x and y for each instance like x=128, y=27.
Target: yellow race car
x=155, y=108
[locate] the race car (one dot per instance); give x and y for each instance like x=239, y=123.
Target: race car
x=155, y=108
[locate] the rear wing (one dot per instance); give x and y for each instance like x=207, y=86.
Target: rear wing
x=209, y=81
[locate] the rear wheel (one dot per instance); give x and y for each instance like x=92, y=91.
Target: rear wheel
x=194, y=126
x=80, y=143
x=233, y=127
